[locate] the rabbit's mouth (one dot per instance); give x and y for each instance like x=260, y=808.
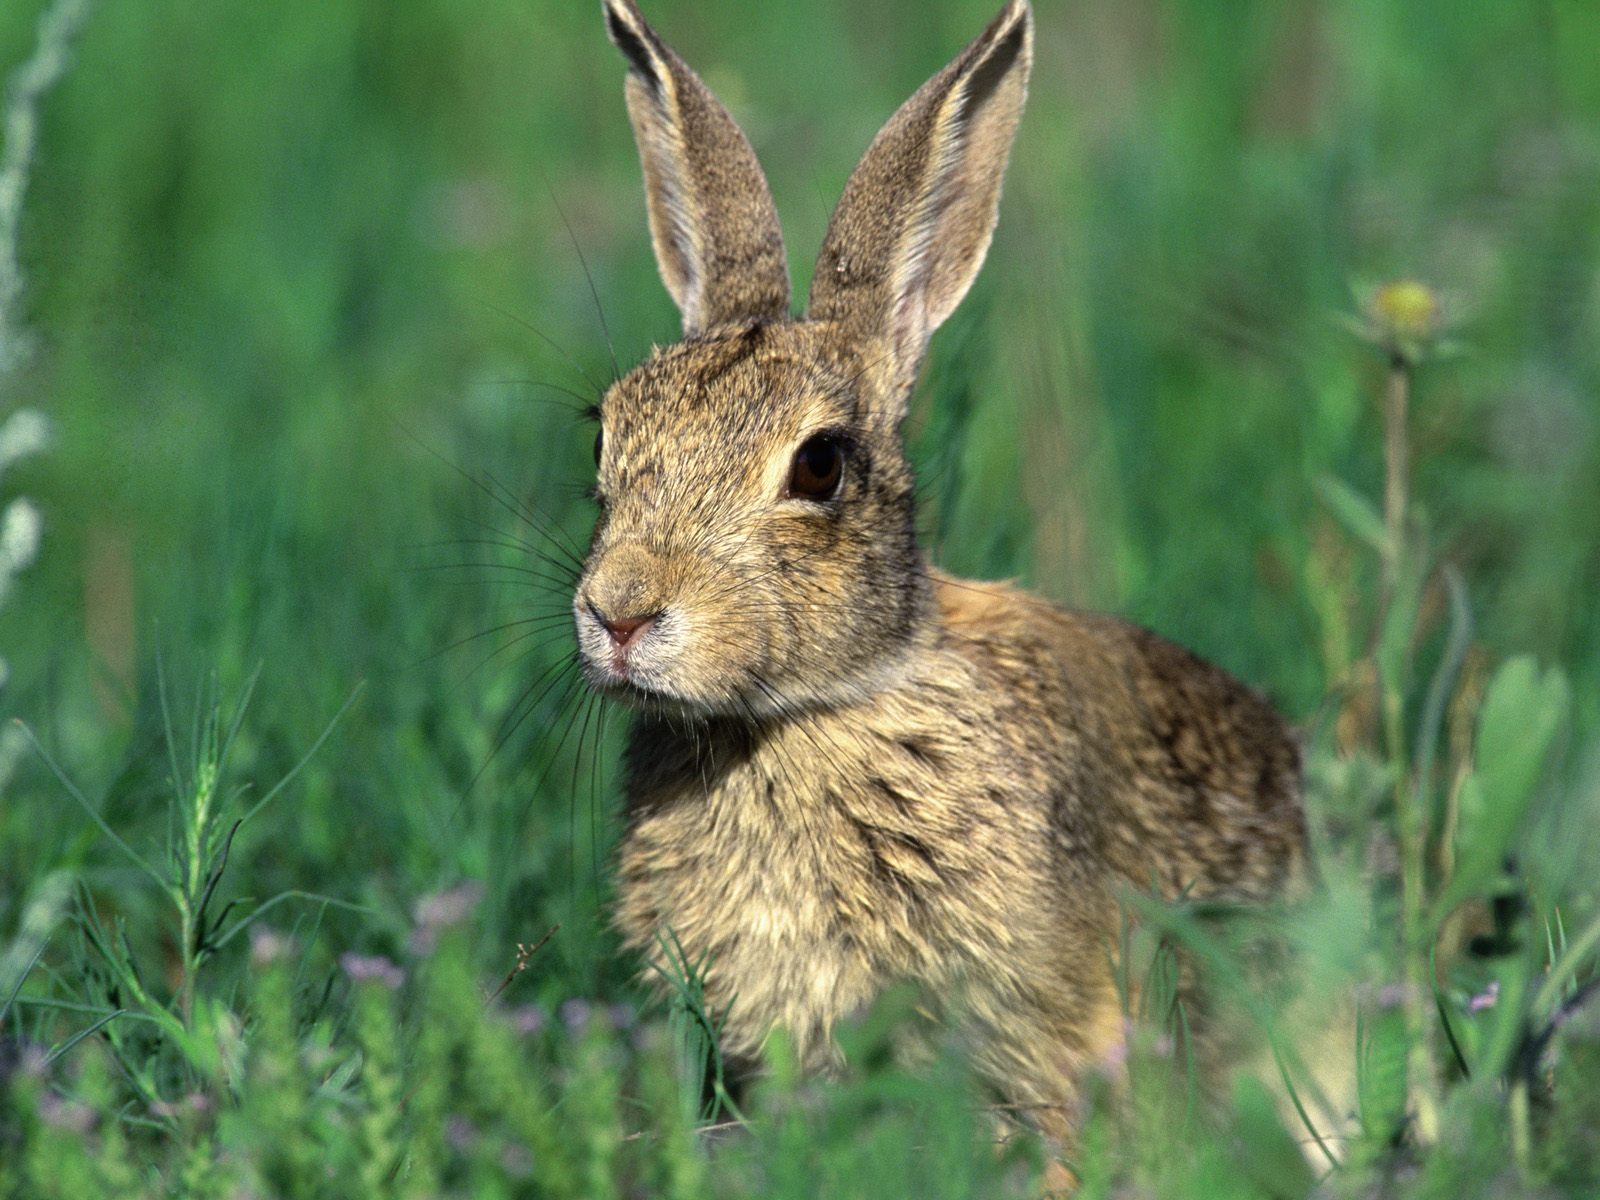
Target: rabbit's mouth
x=655, y=697
x=632, y=659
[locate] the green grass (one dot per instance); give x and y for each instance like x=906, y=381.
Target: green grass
x=307, y=313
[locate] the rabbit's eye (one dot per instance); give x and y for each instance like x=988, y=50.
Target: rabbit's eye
x=818, y=466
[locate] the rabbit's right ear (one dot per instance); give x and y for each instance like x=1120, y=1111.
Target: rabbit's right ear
x=712, y=220
x=915, y=220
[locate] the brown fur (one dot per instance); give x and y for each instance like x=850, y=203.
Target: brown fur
x=850, y=769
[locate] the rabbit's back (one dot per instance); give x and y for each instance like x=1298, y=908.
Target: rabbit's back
x=1179, y=774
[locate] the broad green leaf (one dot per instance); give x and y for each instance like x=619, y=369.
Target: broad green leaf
x=1268, y=1153
x=1506, y=1022
x=1522, y=713
x=1381, y=1072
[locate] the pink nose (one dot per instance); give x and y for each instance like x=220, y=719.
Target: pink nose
x=625, y=631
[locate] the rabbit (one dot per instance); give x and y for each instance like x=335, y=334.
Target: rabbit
x=847, y=768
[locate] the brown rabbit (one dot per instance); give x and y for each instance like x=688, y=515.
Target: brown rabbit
x=847, y=768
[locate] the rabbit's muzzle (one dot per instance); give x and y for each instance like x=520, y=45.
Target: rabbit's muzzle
x=618, y=608
x=651, y=629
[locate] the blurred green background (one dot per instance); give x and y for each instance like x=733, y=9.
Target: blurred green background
x=299, y=269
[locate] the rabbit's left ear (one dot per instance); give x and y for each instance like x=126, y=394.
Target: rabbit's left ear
x=712, y=221
x=915, y=220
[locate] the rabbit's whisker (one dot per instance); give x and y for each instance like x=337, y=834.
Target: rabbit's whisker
x=548, y=341
x=527, y=573
x=473, y=637
x=584, y=401
x=534, y=518
x=503, y=542
x=538, y=639
x=527, y=701
x=573, y=689
x=506, y=541
x=594, y=294
x=521, y=513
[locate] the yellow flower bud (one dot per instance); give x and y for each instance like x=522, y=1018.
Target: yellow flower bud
x=1404, y=317
x=1409, y=308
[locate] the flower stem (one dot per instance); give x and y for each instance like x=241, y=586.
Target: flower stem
x=1396, y=468
x=1409, y=807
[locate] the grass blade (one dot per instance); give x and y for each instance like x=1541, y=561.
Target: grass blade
x=94, y=815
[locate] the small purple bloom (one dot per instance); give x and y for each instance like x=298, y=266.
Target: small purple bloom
x=621, y=1017
x=517, y=1160
x=1115, y=1058
x=439, y=911
x=1391, y=995
x=268, y=946
x=197, y=1103
x=575, y=1013
x=66, y=1115
x=528, y=1019
x=1487, y=998
x=375, y=967
x=28, y=1057
x=460, y=1133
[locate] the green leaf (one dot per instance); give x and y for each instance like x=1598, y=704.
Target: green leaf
x=1354, y=511
x=1400, y=624
x=1441, y=687
x=1381, y=1074
x=1267, y=1152
x=1564, y=971
x=1523, y=711
x=44, y=909
x=94, y=814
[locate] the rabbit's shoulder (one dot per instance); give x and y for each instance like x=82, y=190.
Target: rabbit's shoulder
x=1178, y=771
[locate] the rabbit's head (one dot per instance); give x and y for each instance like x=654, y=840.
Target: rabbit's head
x=755, y=550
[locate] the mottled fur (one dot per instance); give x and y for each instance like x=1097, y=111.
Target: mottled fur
x=850, y=769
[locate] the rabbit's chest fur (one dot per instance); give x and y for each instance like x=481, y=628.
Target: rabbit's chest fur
x=965, y=828
x=812, y=861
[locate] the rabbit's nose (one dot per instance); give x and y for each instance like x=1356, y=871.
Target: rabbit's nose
x=625, y=631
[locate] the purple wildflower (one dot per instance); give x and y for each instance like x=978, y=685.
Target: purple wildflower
x=197, y=1103
x=439, y=911
x=460, y=1134
x=621, y=1017
x=517, y=1161
x=268, y=946
x=575, y=1013
x=1115, y=1059
x=1391, y=996
x=528, y=1019
x=25, y=1056
x=375, y=967
x=1487, y=998
x=66, y=1115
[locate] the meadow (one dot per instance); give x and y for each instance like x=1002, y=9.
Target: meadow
x=1288, y=347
